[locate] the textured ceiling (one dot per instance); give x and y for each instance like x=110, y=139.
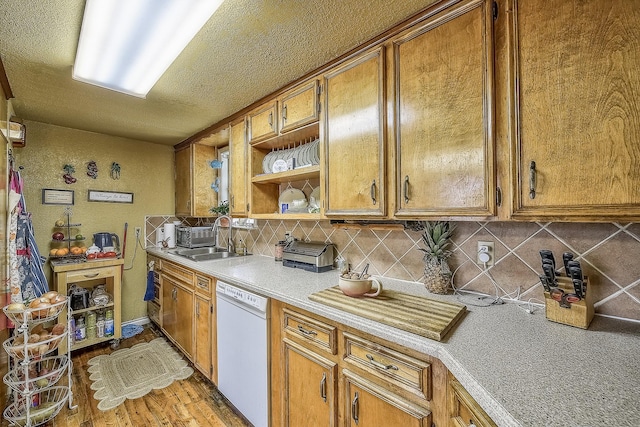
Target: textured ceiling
x=248, y=49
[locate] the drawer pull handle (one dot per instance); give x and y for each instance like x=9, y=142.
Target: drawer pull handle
x=373, y=192
x=355, y=409
x=381, y=365
x=307, y=333
x=532, y=180
x=323, y=387
x=91, y=275
x=406, y=189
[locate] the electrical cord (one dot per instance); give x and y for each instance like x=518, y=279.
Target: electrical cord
x=135, y=250
x=497, y=300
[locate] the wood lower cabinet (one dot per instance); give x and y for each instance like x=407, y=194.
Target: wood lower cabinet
x=204, y=327
x=193, y=179
x=201, y=338
x=326, y=374
x=368, y=404
x=354, y=137
x=310, y=387
x=464, y=410
x=574, y=108
x=177, y=306
x=443, y=85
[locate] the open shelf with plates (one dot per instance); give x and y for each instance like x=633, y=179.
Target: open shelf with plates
x=283, y=163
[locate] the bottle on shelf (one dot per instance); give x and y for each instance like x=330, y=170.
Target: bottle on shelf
x=81, y=331
x=100, y=324
x=108, y=323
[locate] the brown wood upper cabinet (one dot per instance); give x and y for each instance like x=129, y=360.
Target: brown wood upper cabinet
x=263, y=122
x=238, y=180
x=293, y=109
x=194, y=176
x=299, y=106
x=576, y=135
x=443, y=88
x=354, y=137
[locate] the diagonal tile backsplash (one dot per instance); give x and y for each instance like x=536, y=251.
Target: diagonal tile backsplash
x=608, y=253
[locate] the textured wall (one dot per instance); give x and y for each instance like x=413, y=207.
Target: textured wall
x=146, y=171
x=608, y=253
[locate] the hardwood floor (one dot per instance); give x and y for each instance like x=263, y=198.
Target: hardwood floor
x=192, y=402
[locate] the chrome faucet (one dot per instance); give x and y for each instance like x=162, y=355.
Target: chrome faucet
x=230, y=246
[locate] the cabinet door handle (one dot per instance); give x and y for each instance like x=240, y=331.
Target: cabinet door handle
x=307, y=333
x=471, y=424
x=175, y=294
x=379, y=365
x=271, y=120
x=197, y=310
x=323, y=387
x=88, y=276
x=373, y=192
x=189, y=205
x=532, y=180
x=405, y=190
x=355, y=409
x=284, y=113
x=233, y=201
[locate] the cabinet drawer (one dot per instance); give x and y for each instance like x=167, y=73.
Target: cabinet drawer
x=178, y=272
x=204, y=284
x=92, y=274
x=315, y=332
x=402, y=370
x=465, y=410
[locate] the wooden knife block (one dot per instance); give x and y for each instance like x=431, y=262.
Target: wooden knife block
x=579, y=315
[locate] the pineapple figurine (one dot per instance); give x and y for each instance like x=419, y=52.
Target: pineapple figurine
x=436, y=237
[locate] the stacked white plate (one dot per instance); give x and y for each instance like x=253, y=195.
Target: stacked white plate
x=303, y=155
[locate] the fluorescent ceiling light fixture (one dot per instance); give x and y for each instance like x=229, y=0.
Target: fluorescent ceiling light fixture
x=127, y=45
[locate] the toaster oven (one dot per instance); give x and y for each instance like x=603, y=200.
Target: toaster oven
x=195, y=237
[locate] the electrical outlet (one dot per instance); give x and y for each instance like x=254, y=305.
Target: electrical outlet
x=138, y=230
x=485, y=253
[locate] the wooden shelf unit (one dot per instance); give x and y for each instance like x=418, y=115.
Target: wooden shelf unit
x=87, y=275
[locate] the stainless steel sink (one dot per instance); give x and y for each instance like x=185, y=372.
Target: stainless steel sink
x=198, y=251
x=204, y=254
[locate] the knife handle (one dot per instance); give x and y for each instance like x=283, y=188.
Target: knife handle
x=575, y=272
x=547, y=254
x=577, y=287
x=545, y=283
x=566, y=257
x=551, y=275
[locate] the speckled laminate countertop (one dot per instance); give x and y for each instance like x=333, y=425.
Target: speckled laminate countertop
x=522, y=369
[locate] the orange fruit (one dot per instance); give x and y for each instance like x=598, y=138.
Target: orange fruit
x=53, y=251
x=76, y=250
x=62, y=252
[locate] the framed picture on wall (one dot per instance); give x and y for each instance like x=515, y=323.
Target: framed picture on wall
x=110, y=196
x=51, y=196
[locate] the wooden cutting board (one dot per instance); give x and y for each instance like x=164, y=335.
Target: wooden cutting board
x=419, y=315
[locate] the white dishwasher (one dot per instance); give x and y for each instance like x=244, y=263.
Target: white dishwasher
x=242, y=351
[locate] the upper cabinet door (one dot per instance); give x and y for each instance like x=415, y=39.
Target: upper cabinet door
x=263, y=122
x=299, y=107
x=576, y=108
x=183, y=182
x=444, y=114
x=354, y=134
x=238, y=170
